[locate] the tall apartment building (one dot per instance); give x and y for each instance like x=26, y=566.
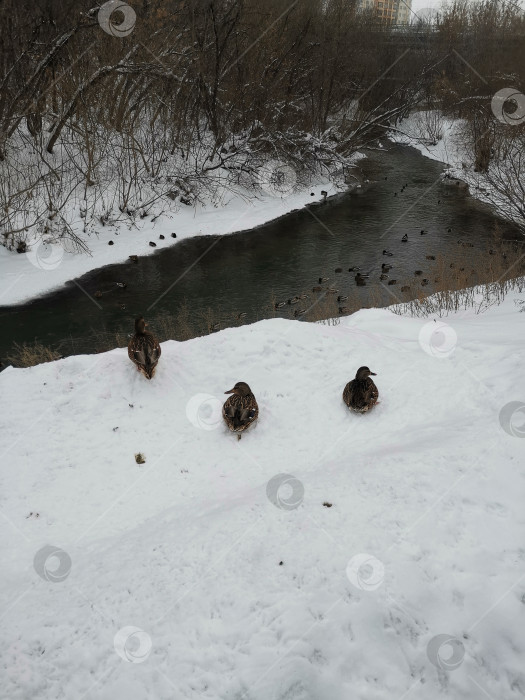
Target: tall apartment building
x=394, y=11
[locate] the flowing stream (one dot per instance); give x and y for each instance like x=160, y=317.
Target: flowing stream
x=242, y=273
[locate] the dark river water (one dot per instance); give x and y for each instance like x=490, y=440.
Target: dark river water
x=242, y=273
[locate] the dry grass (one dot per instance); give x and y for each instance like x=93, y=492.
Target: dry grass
x=30, y=354
x=474, y=280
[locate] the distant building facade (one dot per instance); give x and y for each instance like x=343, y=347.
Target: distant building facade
x=393, y=11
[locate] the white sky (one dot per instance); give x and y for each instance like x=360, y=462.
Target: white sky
x=436, y=4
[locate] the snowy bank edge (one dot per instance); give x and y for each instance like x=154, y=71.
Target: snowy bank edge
x=22, y=282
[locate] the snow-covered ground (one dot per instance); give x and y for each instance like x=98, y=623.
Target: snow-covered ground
x=202, y=573
x=414, y=131
x=46, y=267
x=447, y=145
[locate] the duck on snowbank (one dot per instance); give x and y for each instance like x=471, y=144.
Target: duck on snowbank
x=240, y=410
x=361, y=394
x=144, y=349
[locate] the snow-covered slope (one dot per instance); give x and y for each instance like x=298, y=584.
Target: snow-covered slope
x=241, y=589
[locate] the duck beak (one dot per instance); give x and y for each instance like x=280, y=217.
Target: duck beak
x=373, y=374
x=232, y=391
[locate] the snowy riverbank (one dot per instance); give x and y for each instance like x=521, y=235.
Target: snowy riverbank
x=441, y=138
x=235, y=596
x=44, y=268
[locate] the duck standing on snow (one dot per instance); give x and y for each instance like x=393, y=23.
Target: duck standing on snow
x=144, y=349
x=361, y=393
x=240, y=411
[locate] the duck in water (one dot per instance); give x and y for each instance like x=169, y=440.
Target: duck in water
x=361, y=393
x=144, y=349
x=240, y=410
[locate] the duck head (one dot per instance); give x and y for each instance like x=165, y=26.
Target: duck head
x=140, y=325
x=363, y=373
x=241, y=389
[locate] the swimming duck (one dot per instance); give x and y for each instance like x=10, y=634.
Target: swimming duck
x=418, y=272
x=240, y=411
x=299, y=312
x=385, y=267
x=354, y=269
x=386, y=252
x=405, y=238
x=342, y=298
x=392, y=282
x=242, y=315
x=383, y=277
x=323, y=279
x=360, y=280
x=144, y=349
x=122, y=285
x=279, y=305
x=431, y=257
x=361, y=393
x=343, y=309
x=423, y=232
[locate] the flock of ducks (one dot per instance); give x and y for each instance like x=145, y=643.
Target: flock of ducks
x=240, y=411
x=360, y=279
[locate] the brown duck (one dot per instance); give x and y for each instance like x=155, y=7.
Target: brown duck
x=240, y=410
x=361, y=393
x=144, y=349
